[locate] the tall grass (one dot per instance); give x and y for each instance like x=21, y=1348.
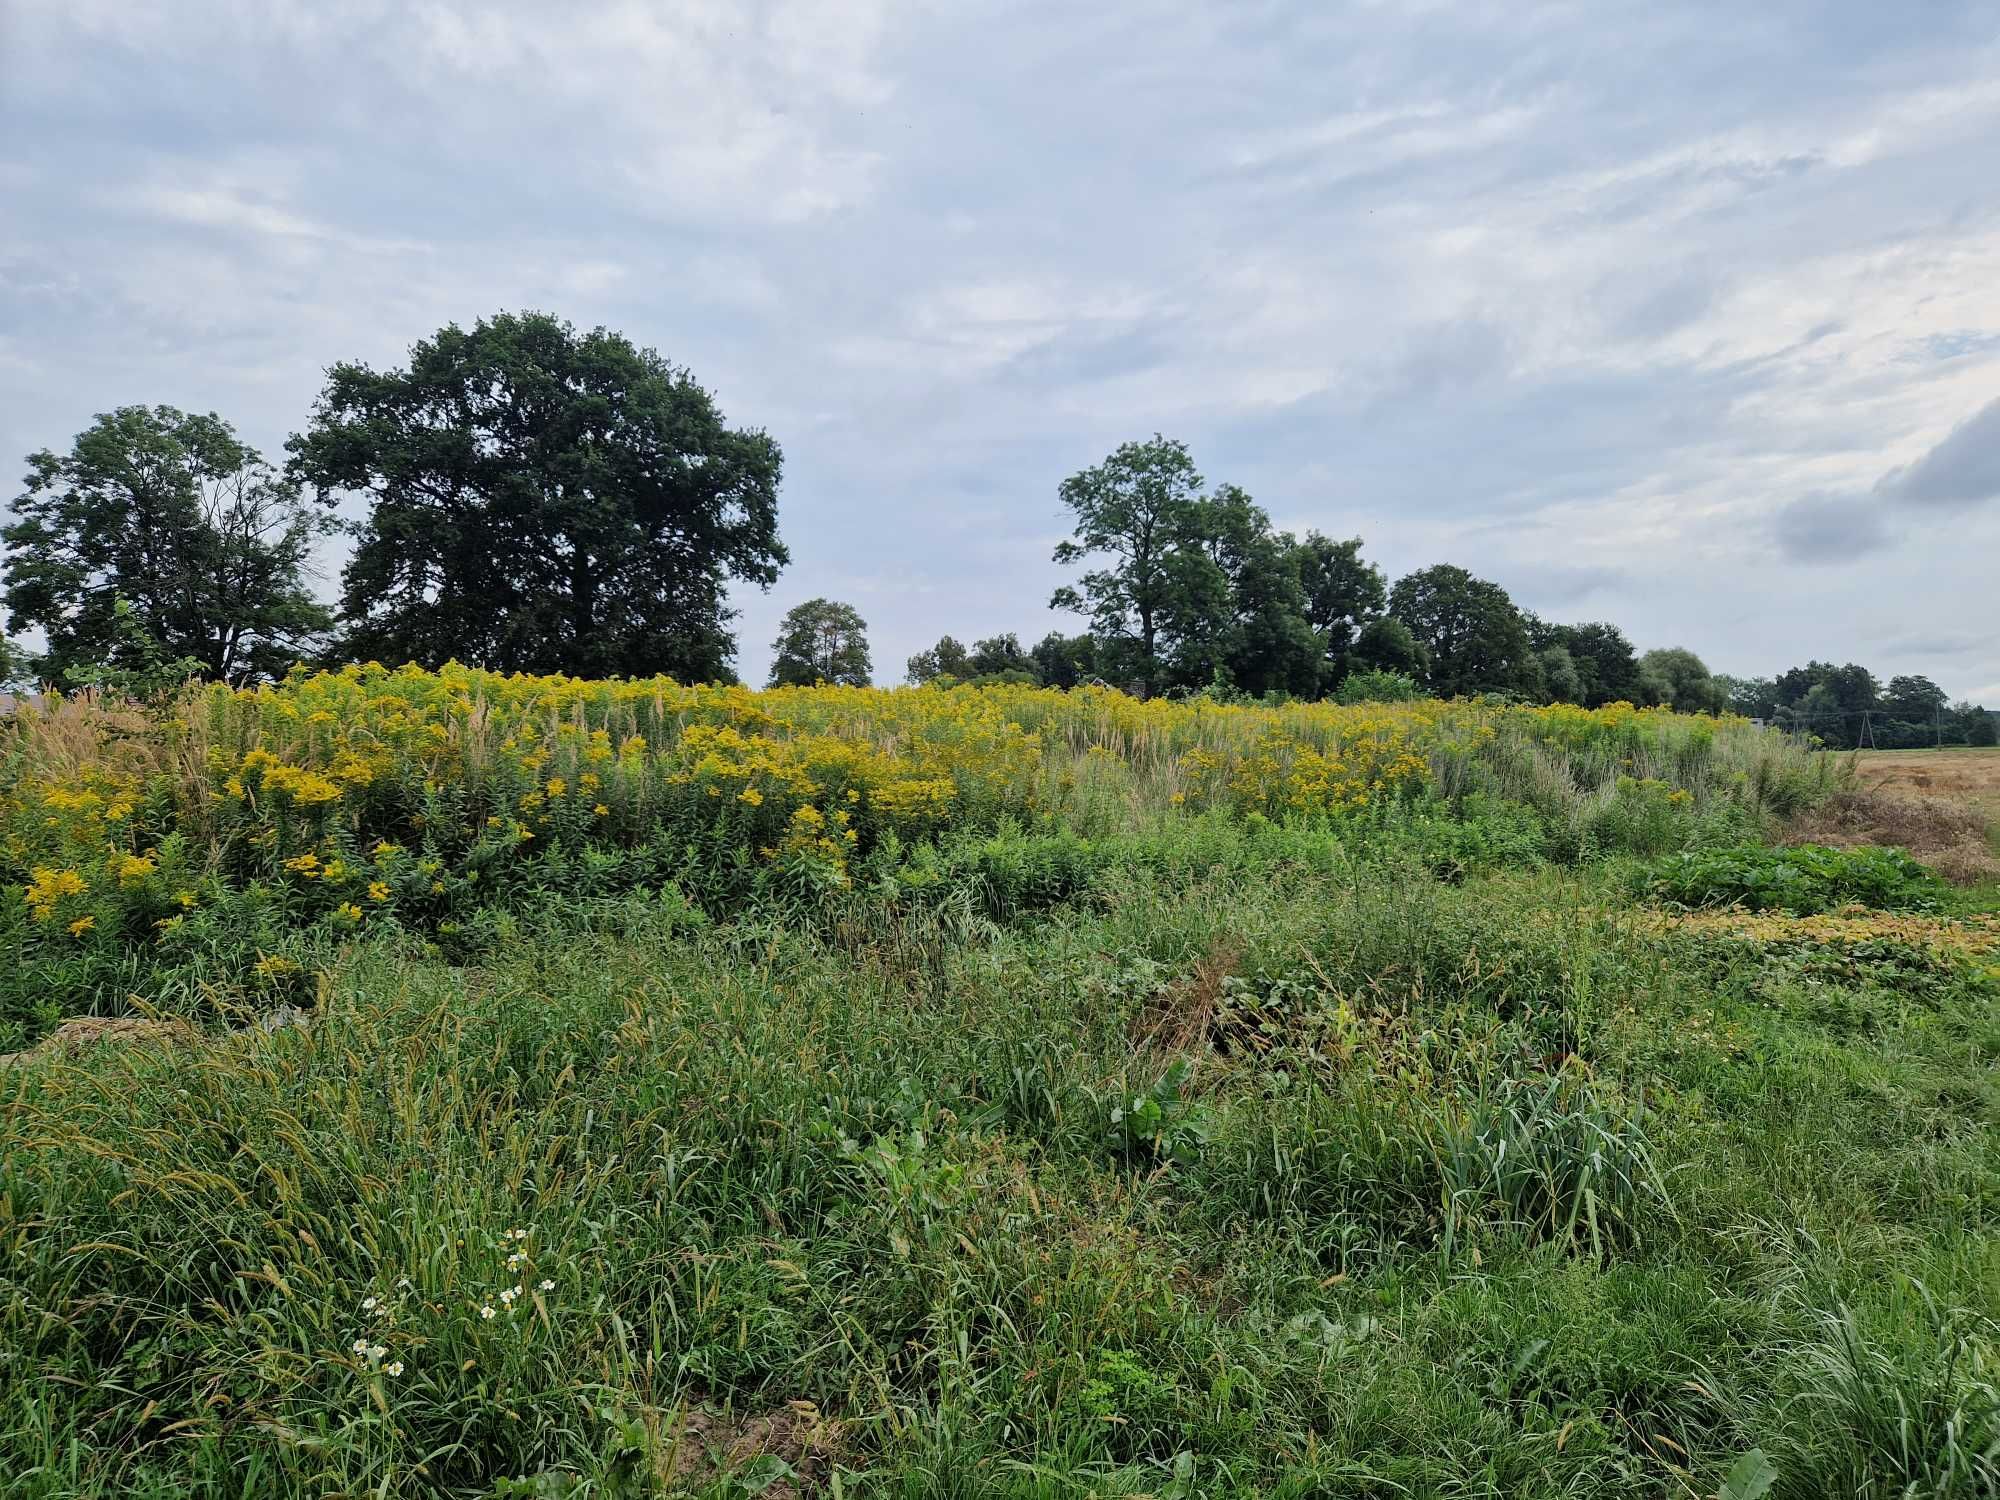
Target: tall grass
x=941, y=1205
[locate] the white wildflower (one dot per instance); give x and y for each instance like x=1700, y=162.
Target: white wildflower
x=393, y=1369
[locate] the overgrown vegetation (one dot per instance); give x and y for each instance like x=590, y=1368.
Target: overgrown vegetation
x=1084, y=1097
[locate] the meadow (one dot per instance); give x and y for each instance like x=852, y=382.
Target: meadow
x=538, y=1087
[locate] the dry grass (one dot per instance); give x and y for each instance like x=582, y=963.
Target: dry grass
x=1940, y=805
x=1964, y=775
x=1181, y=1018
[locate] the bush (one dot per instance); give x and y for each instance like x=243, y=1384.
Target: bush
x=1802, y=880
x=1376, y=687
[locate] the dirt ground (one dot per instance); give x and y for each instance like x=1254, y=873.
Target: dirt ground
x=1943, y=806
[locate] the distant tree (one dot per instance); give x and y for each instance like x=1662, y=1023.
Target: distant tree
x=1834, y=703
x=1964, y=723
x=1252, y=609
x=1001, y=656
x=1914, y=710
x=1752, y=697
x=13, y=666
x=1981, y=728
x=1474, y=636
x=1691, y=688
x=206, y=545
x=1064, y=661
x=946, y=659
x=1603, y=658
x=1561, y=682
x=1343, y=597
x=1818, y=714
x=1653, y=688
x=1385, y=644
x=543, y=501
x=1133, y=511
x=821, y=640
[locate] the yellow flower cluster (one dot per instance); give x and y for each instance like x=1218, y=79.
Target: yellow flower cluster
x=314, y=785
x=50, y=888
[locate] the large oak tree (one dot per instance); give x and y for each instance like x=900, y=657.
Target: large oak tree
x=542, y=500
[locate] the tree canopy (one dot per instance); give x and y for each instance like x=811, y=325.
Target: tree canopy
x=821, y=640
x=1690, y=686
x=542, y=500
x=162, y=534
x=1135, y=513
x=1473, y=636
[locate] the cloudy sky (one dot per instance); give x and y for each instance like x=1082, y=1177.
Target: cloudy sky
x=1684, y=315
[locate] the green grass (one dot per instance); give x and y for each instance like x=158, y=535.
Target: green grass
x=1232, y=1161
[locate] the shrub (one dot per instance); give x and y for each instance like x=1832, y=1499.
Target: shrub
x=1802, y=880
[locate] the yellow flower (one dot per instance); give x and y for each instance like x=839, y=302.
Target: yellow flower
x=50, y=887
x=130, y=869
x=377, y=891
x=81, y=925
x=601, y=810
x=750, y=795
x=348, y=910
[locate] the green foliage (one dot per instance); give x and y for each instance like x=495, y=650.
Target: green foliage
x=1373, y=686
x=1274, y=1167
x=1473, y=637
x=1803, y=879
x=1194, y=586
x=1552, y=1164
x=821, y=640
x=542, y=501
x=1134, y=511
x=1592, y=661
x=1385, y=644
x=161, y=536
x=1690, y=688
x=1066, y=661
x=134, y=666
x=948, y=658
x=1749, y=1478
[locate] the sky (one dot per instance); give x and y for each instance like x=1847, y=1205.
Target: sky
x=1682, y=315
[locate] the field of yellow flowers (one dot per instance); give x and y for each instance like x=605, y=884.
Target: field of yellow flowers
x=336, y=802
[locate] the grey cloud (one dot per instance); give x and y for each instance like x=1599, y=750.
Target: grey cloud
x=1552, y=585
x=1964, y=469
x=1486, y=288
x=1831, y=528
x=1934, y=645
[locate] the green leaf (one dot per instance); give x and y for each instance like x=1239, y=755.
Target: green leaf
x=1749, y=1478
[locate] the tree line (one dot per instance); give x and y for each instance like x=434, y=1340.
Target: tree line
x=543, y=500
